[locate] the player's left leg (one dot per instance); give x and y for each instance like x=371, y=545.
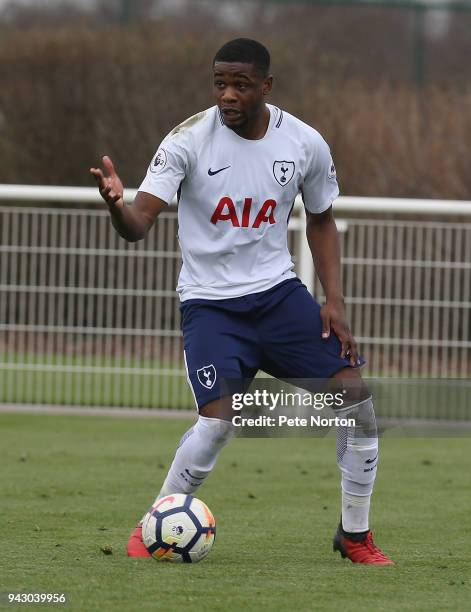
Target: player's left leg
x=291, y=332
x=357, y=458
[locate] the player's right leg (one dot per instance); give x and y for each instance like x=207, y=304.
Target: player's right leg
x=194, y=460
x=218, y=345
x=198, y=451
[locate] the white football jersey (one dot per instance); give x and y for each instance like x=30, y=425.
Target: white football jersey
x=235, y=197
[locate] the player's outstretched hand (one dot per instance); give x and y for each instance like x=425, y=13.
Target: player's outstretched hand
x=110, y=187
x=333, y=317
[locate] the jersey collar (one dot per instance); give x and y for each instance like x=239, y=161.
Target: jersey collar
x=276, y=117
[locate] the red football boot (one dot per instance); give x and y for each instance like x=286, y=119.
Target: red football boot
x=359, y=549
x=136, y=546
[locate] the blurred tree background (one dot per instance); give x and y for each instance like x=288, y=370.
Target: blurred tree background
x=387, y=84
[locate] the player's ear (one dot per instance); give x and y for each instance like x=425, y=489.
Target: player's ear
x=267, y=85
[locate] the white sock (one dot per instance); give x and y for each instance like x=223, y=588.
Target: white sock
x=196, y=455
x=357, y=456
x=355, y=512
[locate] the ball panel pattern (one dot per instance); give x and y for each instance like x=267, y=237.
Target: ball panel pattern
x=179, y=528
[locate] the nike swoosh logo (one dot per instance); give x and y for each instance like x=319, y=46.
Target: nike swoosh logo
x=212, y=173
x=371, y=460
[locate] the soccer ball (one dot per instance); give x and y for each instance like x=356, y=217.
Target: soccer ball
x=179, y=528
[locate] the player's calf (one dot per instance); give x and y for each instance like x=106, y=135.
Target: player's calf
x=194, y=460
x=357, y=457
x=196, y=455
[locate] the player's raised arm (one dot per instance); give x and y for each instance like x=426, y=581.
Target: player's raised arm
x=131, y=222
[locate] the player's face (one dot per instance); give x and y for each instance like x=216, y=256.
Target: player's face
x=239, y=90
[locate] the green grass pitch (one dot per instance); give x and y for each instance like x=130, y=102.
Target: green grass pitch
x=73, y=485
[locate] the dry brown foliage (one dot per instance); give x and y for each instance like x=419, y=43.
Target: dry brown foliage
x=68, y=96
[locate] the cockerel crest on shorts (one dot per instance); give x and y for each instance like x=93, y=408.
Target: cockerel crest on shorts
x=207, y=376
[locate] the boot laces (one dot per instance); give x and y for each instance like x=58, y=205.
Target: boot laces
x=371, y=546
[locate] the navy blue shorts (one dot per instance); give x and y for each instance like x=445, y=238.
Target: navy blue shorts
x=277, y=331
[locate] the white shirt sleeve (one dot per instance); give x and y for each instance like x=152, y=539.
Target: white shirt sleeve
x=320, y=186
x=168, y=168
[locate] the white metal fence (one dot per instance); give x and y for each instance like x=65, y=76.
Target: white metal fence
x=86, y=318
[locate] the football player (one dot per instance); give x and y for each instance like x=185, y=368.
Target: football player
x=236, y=169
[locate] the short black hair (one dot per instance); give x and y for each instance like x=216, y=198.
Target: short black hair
x=245, y=51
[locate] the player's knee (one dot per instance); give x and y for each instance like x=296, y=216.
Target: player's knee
x=218, y=409
x=350, y=379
